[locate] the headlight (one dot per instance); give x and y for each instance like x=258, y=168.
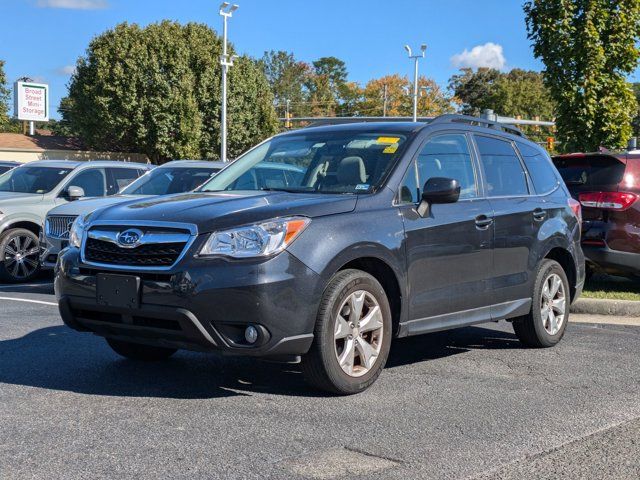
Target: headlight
x=258, y=240
x=77, y=230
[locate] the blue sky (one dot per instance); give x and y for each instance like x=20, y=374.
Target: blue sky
x=43, y=38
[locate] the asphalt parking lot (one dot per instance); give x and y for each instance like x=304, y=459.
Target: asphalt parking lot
x=469, y=403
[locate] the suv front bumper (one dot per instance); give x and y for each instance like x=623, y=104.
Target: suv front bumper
x=203, y=305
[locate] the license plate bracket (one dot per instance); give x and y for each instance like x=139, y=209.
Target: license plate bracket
x=120, y=291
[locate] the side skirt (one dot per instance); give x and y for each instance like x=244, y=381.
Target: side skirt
x=500, y=311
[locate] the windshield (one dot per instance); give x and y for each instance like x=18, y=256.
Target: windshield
x=32, y=179
x=327, y=162
x=167, y=180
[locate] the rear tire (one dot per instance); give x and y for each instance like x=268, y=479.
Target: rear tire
x=138, y=351
x=19, y=255
x=546, y=323
x=352, y=336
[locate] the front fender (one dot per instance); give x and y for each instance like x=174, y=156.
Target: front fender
x=331, y=242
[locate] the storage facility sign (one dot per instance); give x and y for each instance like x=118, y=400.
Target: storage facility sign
x=31, y=101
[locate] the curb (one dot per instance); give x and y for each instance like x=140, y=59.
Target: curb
x=593, y=306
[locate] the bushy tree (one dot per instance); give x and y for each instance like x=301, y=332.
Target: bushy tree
x=156, y=90
x=588, y=48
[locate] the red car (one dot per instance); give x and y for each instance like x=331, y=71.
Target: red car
x=607, y=185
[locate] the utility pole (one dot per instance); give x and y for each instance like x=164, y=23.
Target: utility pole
x=423, y=49
x=384, y=101
x=226, y=12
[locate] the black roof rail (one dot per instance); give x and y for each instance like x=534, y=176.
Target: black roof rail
x=479, y=121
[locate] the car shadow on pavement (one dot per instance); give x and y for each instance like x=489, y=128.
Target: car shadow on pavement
x=57, y=358
x=432, y=346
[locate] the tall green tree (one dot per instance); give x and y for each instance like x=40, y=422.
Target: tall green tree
x=5, y=94
x=588, y=47
x=156, y=90
x=287, y=77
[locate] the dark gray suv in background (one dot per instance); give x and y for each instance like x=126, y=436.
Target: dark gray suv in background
x=392, y=229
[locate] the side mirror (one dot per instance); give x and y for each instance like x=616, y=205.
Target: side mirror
x=74, y=193
x=438, y=190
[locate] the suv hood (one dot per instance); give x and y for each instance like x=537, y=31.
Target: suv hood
x=81, y=207
x=218, y=210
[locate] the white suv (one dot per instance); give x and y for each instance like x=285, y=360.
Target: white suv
x=28, y=192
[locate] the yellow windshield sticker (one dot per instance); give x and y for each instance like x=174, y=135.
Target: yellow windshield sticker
x=391, y=149
x=388, y=139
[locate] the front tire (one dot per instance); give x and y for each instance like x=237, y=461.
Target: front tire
x=545, y=325
x=138, y=351
x=352, y=336
x=19, y=255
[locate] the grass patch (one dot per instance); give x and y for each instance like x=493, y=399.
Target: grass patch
x=612, y=288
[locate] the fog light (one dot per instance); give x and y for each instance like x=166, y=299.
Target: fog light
x=251, y=334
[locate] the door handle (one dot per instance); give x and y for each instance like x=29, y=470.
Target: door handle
x=483, y=222
x=539, y=214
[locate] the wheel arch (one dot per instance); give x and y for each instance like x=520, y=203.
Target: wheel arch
x=385, y=274
x=32, y=226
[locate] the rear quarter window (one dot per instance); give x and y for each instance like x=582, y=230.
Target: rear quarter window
x=541, y=170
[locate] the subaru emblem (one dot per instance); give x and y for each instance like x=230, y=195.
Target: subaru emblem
x=130, y=238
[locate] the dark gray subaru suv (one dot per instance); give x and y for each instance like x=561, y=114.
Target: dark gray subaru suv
x=355, y=234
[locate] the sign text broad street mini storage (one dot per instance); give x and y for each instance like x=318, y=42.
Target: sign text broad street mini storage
x=31, y=101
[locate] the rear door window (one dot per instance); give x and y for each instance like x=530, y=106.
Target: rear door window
x=503, y=171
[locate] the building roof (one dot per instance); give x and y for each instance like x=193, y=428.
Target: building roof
x=19, y=141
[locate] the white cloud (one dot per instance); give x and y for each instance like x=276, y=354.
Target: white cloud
x=66, y=70
x=74, y=4
x=489, y=55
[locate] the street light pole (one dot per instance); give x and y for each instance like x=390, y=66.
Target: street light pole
x=226, y=12
x=423, y=49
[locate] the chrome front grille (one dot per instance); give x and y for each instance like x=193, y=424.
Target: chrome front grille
x=58, y=226
x=157, y=248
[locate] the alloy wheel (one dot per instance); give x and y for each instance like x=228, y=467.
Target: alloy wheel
x=553, y=304
x=358, y=333
x=21, y=257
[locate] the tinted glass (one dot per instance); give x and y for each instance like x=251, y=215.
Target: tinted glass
x=4, y=169
x=326, y=162
x=167, y=180
x=503, y=171
x=587, y=171
x=93, y=182
x=123, y=177
x=448, y=156
x=541, y=170
x=32, y=179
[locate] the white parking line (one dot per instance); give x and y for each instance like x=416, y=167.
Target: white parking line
x=29, y=301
